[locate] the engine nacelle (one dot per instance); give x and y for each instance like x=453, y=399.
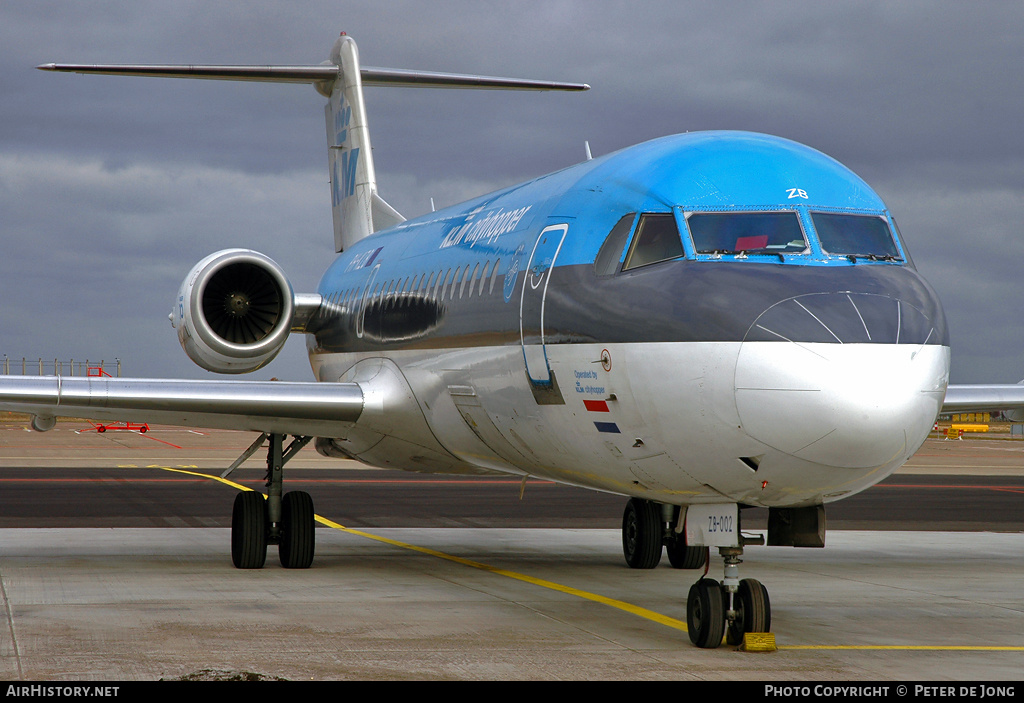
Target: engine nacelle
x=234, y=311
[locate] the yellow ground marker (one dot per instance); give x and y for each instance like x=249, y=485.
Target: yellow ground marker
x=758, y=642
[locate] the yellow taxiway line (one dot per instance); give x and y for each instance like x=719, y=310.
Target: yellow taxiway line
x=611, y=602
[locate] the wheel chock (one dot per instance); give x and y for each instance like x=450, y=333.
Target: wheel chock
x=758, y=642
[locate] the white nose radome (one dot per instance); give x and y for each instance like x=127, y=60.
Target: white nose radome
x=848, y=405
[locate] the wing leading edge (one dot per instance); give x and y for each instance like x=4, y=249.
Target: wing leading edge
x=297, y=408
x=981, y=397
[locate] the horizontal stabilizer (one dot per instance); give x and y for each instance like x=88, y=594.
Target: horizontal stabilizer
x=393, y=77
x=356, y=208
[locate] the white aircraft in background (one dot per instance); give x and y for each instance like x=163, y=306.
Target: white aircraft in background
x=703, y=323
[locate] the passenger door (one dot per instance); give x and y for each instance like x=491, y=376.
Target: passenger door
x=531, y=305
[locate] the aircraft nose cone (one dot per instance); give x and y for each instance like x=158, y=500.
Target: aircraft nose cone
x=842, y=379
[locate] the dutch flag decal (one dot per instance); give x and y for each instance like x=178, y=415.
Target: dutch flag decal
x=601, y=406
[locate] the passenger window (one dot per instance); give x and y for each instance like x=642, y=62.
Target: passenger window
x=607, y=261
x=494, y=277
x=855, y=235
x=451, y=295
x=657, y=239
x=483, y=277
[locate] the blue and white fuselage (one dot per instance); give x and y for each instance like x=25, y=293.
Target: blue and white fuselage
x=704, y=317
x=702, y=322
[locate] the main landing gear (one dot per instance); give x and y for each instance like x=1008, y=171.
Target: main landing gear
x=646, y=528
x=285, y=520
x=714, y=610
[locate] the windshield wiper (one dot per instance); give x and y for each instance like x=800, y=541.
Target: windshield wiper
x=742, y=253
x=873, y=257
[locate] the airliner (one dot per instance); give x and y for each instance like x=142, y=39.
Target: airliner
x=702, y=323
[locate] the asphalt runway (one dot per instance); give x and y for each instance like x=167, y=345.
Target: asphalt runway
x=426, y=577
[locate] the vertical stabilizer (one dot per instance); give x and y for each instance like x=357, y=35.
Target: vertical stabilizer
x=357, y=209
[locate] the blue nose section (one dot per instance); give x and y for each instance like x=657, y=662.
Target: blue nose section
x=844, y=318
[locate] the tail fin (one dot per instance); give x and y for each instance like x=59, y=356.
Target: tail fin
x=358, y=210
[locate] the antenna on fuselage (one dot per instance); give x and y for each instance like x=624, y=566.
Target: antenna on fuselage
x=358, y=210
x=586, y=148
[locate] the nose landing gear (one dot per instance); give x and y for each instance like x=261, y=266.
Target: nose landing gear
x=714, y=611
x=730, y=609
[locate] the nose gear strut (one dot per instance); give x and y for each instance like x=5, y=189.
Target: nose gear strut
x=730, y=609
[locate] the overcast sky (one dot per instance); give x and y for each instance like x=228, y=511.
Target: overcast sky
x=111, y=189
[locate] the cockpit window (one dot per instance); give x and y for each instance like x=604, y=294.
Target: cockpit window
x=746, y=233
x=903, y=245
x=855, y=235
x=657, y=239
x=607, y=261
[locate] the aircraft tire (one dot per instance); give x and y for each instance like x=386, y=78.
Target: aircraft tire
x=298, y=531
x=683, y=556
x=249, y=530
x=641, y=534
x=705, y=614
x=753, y=611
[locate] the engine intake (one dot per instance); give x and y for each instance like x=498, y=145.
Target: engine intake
x=242, y=303
x=234, y=311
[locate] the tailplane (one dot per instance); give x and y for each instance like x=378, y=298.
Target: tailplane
x=357, y=208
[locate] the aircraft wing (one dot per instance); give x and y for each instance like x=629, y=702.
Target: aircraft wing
x=976, y=398
x=261, y=406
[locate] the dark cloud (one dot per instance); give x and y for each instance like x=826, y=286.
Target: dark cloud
x=112, y=188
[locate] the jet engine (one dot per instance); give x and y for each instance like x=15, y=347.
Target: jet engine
x=234, y=311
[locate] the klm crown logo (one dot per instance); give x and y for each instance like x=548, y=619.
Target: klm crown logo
x=342, y=118
x=343, y=177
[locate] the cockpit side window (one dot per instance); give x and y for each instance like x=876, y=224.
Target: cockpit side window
x=657, y=239
x=855, y=235
x=903, y=245
x=746, y=232
x=607, y=261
